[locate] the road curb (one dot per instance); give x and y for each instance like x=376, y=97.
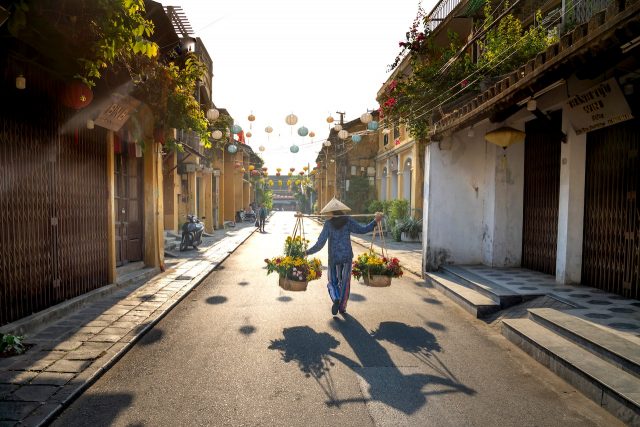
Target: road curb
x=37, y=419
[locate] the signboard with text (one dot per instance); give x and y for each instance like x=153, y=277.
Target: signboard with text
x=601, y=106
x=117, y=112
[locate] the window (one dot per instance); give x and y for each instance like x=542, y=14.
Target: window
x=396, y=132
x=385, y=139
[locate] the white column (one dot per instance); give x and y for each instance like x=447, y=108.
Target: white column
x=571, y=206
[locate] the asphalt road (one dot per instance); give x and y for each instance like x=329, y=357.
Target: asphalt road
x=241, y=351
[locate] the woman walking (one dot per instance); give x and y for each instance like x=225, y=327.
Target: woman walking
x=338, y=231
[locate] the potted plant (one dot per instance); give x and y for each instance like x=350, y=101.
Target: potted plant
x=376, y=270
x=411, y=230
x=293, y=268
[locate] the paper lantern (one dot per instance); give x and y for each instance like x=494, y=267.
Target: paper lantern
x=236, y=129
x=238, y=164
x=297, y=182
x=290, y=174
x=301, y=173
x=21, y=81
x=505, y=136
x=243, y=170
x=312, y=134
x=337, y=128
x=356, y=138
x=277, y=173
x=386, y=131
x=278, y=169
x=343, y=134
x=265, y=169
x=268, y=129
x=76, y=95
x=291, y=119
x=217, y=134
x=251, y=167
x=305, y=168
x=327, y=143
x=366, y=118
x=262, y=148
x=303, y=131
x=288, y=182
x=292, y=169
x=373, y=125
x=232, y=149
x=249, y=134
x=270, y=183
x=280, y=183
x=329, y=119
x=212, y=114
x=294, y=148
x=251, y=117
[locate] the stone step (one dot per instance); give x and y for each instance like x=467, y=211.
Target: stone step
x=614, y=348
x=609, y=386
x=472, y=301
x=505, y=297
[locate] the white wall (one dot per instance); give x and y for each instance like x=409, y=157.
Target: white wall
x=453, y=209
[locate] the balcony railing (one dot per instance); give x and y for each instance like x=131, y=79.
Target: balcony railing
x=440, y=11
x=577, y=12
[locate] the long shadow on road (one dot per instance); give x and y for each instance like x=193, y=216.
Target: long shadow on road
x=314, y=352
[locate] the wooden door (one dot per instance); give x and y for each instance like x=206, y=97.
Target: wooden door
x=129, y=209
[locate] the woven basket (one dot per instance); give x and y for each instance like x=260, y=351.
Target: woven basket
x=292, y=285
x=377, y=281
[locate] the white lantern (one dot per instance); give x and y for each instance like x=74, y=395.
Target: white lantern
x=90, y=124
x=343, y=134
x=327, y=143
x=337, y=128
x=366, y=118
x=217, y=134
x=251, y=117
x=312, y=134
x=249, y=134
x=261, y=148
x=387, y=131
x=329, y=119
x=291, y=119
x=213, y=114
x=268, y=129
x=21, y=82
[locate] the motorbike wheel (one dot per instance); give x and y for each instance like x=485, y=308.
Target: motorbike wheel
x=184, y=243
x=195, y=244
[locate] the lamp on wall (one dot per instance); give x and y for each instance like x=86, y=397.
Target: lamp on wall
x=505, y=136
x=532, y=105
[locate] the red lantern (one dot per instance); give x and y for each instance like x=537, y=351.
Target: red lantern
x=292, y=169
x=301, y=172
x=264, y=169
x=277, y=173
x=76, y=95
x=238, y=164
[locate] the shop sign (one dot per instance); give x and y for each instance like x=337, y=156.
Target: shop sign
x=601, y=106
x=116, y=112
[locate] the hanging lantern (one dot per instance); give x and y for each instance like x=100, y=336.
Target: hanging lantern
x=366, y=118
x=277, y=173
x=265, y=173
x=270, y=183
x=386, y=131
x=238, y=164
x=301, y=173
x=297, y=182
x=505, y=136
x=291, y=119
x=21, y=82
x=329, y=119
x=261, y=148
x=288, y=182
x=337, y=128
x=236, y=129
x=251, y=117
x=356, y=138
x=280, y=183
x=343, y=134
x=312, y=134
x=255, y=172
x=77, y=95
x=265, y=169
x=290, y=174
x=249, y=134
x=216, y=134
x=251, y=167
x=303, y=131
x=212, y=114
x=305, y=168
x=243, y=170
x=232, y=149
x=292, y=169
x=327, y=143
x=294, y=148
x=278, y=169
x=313, y=172
x=268, y=129
x=373, y=125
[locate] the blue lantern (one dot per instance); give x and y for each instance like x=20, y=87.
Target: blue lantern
x=232, y=149
x=373, y=125
x=303, y=131
x=356, y=138
x=294, y=148
x=236, y=129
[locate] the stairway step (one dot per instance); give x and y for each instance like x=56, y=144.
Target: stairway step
x=472, y=301
x=609, y=386
x=614, y=348
x=489, y=288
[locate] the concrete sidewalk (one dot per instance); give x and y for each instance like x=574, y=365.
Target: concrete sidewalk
x=68, y=355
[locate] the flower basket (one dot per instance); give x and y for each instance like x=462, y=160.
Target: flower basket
x=294, y=269
x=377, y=281
x=292, y=285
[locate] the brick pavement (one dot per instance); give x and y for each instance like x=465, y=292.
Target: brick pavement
x=68, y=355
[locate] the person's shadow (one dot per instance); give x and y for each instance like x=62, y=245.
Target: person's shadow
x=386, y=383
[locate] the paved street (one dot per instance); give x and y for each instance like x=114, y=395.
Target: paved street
x=241, y=351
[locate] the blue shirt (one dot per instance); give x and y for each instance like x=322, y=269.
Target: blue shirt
x=340, y=240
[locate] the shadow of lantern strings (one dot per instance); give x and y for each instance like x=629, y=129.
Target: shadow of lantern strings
x=416, y=341
x=311, y=351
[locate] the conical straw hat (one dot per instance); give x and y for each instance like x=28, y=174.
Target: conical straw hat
x=335, y=205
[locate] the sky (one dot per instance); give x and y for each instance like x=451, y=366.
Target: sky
x=307, y=57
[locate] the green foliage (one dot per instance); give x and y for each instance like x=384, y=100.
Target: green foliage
x=396, y=231
x=379, y=206
x=121, y=32
x=360, y=193
x=399, y=209
x=411, y=226
x=12, y=344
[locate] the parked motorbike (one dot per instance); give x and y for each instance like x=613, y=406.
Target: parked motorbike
x=191, y=233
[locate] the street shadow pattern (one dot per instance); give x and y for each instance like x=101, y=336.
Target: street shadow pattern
x=436, y=326
x=243, y=283
x=218, y=299
x=247, y=330
x=103, y=409
x=151, y=337
x=284, y=298
x=432, y=301
x=314, y=353
x=356, y=297
x=311, y=351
